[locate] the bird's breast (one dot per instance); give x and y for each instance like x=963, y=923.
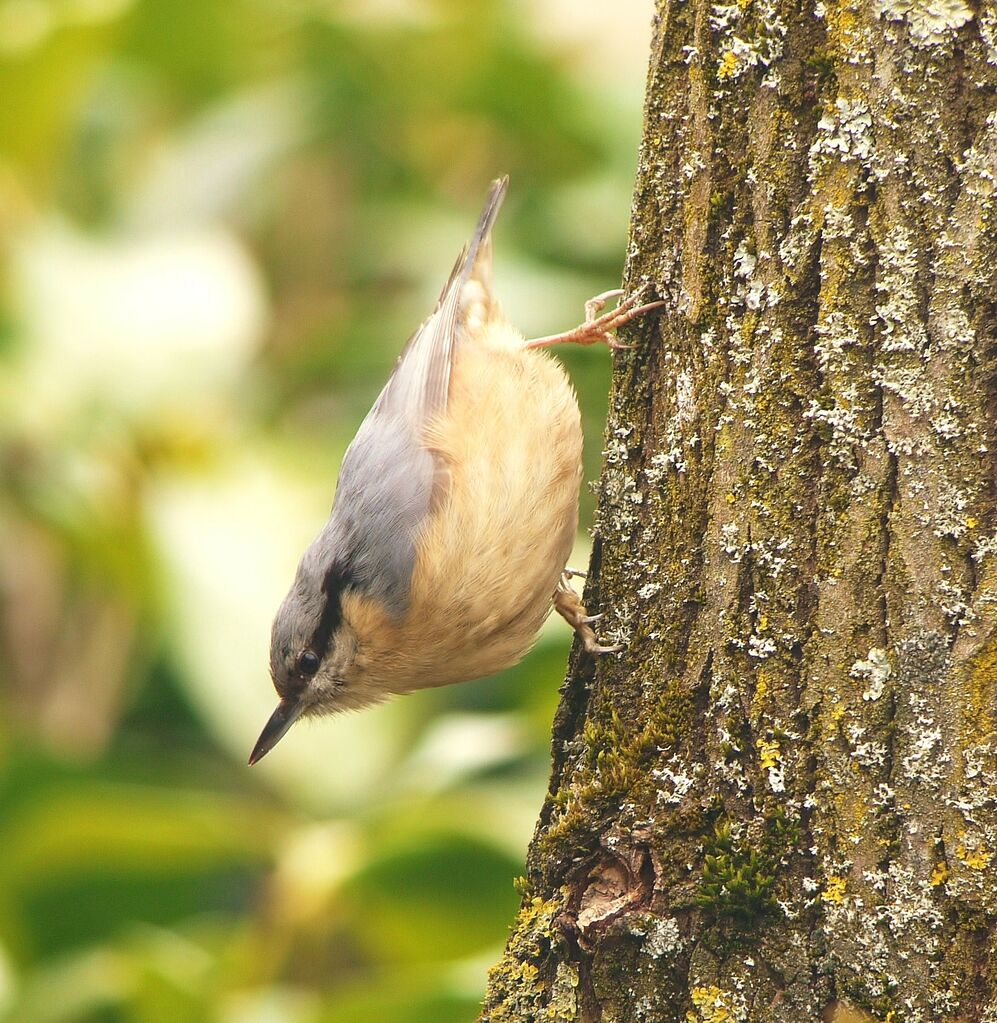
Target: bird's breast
x=501, y=527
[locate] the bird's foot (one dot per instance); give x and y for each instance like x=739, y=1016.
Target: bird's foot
x=600, y=328
x=569, y=606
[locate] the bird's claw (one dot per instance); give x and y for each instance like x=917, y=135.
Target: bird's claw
x=596, y=648
x=597, y=303
x=601, y=328
x=569, y=606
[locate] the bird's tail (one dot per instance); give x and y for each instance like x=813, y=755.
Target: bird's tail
x=475, y=259
x=471, y=279
x=419, y=384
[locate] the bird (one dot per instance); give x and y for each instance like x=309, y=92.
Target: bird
x=454, y=514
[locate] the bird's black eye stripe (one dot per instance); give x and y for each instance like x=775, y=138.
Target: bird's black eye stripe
x=336, y=580
x=308, y=663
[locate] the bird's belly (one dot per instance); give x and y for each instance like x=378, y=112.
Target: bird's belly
x=504, y=523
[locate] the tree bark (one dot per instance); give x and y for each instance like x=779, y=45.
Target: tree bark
x=779, y=803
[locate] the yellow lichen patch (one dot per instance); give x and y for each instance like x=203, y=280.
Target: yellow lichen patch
x=939, y=875
x=727, y=67
x=975, y=859
x=834, y=890
x=843, y=1012
x=761, y=688
x=852, y=810
x=844, y=28
x=981, y=690
x=972, y=523
x=730, y=498
x=714, y=1006
x=564, y=999
x=515, y=988
x=769, y=752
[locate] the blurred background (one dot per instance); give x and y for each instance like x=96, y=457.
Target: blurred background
x=219, y=222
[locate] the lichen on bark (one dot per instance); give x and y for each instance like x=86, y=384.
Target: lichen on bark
x=779, y=803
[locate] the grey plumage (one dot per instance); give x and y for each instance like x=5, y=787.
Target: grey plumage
x=387, y=478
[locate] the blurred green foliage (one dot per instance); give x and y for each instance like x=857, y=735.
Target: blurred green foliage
x=220, y=219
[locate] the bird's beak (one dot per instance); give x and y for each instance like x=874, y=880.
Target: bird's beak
x=288, y=711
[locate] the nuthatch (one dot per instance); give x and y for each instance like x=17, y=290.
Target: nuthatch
x=454, y=515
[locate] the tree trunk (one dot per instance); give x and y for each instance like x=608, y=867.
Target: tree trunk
x=780, y=802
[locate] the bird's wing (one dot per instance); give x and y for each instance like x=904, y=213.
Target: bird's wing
x=386, y=482
x=418, y=386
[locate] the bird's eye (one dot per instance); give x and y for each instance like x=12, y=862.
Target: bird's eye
x=308, y=663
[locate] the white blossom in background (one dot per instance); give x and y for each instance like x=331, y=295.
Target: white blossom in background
x=136, y=324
